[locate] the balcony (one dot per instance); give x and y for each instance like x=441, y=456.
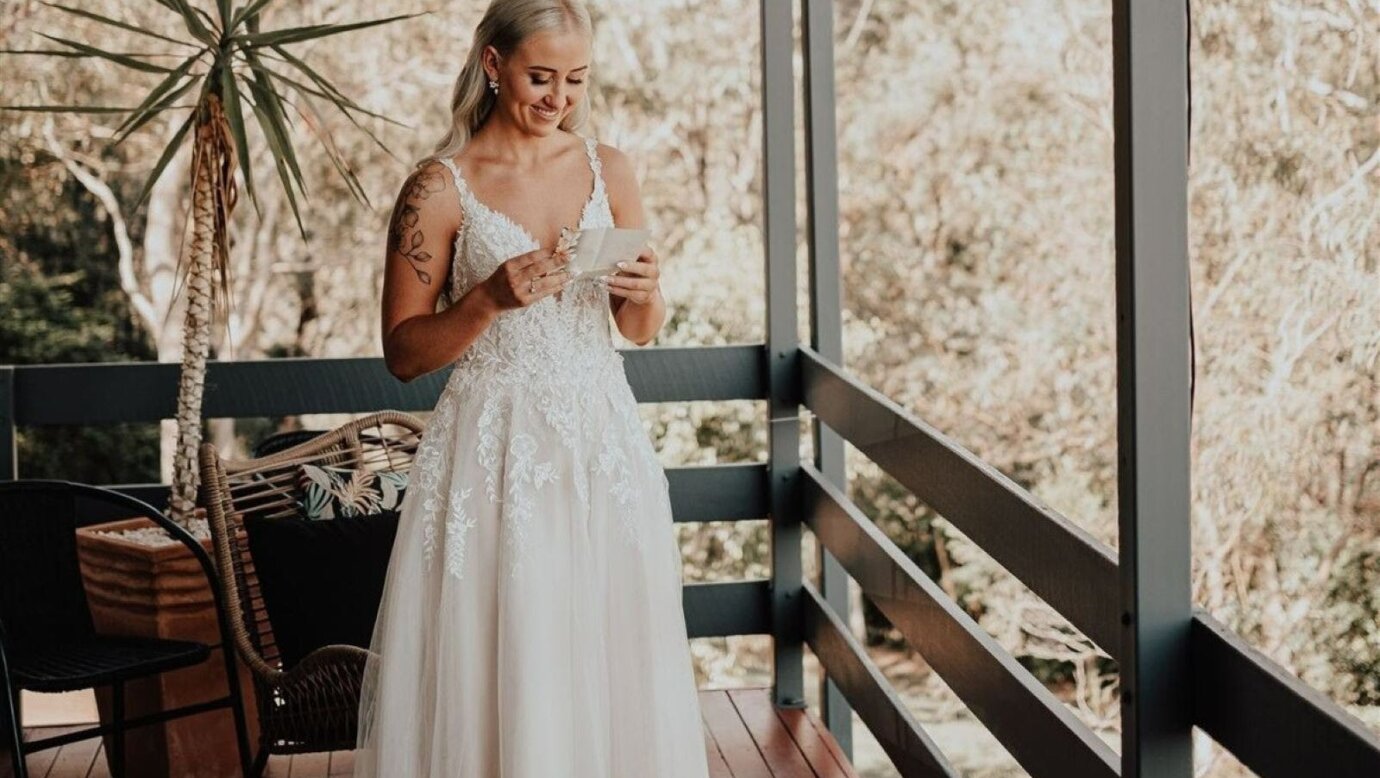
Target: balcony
x=1179, y=668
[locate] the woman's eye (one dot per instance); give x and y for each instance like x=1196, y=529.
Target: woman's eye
x=547, y=81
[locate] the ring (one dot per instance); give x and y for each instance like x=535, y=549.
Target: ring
x=532, y=286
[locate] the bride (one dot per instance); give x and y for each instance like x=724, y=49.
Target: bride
x=531, y=623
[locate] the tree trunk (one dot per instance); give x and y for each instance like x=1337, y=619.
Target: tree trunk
x=196, y=328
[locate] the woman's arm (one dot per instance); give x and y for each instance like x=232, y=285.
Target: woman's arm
x=634, y=293
x=421, y=244
x=416, y=338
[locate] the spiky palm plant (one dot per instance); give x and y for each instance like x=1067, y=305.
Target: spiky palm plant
x=231, y=62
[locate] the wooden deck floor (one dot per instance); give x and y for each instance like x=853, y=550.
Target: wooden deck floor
x=745, y=736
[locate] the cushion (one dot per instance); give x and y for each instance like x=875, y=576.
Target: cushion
x=328, y=492
x=321, y=580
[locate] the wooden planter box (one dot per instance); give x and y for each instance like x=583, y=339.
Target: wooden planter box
x=160, y=591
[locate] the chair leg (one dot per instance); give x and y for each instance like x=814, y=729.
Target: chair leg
x=116, y=757
x=16, y=734
x=260, y=762
x=237, y=707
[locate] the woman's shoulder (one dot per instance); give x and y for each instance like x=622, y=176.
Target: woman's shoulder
x=429, y=193
x=615, y=165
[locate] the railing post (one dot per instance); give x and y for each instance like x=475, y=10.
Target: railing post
x=1153, y=475
x=826, y=322
x=783, y=468
x=9, y=456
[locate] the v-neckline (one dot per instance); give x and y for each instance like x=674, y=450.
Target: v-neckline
x=526, y=233
x=532, y=239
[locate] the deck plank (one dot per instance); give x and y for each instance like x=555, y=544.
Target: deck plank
x=74, y=760
x=316, y=765
x=745, y=736
x=815, y=743
x=733, y=737
x=342, y=763
x=775, y=742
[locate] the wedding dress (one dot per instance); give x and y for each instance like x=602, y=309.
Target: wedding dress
x=531, y=623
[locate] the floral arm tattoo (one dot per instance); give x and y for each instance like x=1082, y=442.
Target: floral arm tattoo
x=404, y=232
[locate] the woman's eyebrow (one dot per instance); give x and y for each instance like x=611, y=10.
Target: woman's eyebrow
x=553, y=70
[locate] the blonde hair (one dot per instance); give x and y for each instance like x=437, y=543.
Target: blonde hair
x=505, y=24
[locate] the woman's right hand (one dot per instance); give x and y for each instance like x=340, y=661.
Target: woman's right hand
x=511, y=285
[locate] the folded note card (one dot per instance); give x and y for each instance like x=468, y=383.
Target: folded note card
x=598, y=250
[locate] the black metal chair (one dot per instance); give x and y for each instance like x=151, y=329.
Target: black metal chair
x=48, y=642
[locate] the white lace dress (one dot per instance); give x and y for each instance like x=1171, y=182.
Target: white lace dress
x=531, y=624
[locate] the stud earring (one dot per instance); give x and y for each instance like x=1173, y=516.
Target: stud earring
x=493, y=85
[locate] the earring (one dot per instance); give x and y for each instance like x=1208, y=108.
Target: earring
x=493, y=85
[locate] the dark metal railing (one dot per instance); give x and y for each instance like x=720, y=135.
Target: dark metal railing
x=112, y=393
x=1275, y=724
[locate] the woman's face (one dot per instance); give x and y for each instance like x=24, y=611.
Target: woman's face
x=543, y=80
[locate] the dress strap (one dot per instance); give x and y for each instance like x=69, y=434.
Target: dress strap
x=595, y=164
x=460, y=188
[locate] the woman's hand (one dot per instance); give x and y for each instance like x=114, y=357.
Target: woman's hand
x=638, y=281
x=526, y=278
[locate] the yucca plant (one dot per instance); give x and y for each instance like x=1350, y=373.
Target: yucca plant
x=230, y=62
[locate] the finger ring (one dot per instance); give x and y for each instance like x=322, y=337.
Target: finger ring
x=532, y=286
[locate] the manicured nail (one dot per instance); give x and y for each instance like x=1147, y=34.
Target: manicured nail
x=622, y=264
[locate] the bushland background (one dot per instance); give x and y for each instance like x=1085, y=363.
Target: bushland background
x=975, y=169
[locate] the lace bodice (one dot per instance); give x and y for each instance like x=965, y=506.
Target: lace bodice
x=561, y=339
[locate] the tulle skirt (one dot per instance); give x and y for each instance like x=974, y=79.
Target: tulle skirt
x=531, y=625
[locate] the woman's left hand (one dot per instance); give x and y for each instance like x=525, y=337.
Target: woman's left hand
x=638, y=281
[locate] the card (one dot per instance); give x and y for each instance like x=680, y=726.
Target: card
x=598, y=250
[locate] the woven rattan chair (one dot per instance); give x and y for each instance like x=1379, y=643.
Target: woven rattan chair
x=313, y=705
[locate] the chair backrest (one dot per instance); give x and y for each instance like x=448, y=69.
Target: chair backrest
x=281, y=441
x=42, y=598
x=267, y=486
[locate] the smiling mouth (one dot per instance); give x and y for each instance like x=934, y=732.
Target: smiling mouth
x=545, y=113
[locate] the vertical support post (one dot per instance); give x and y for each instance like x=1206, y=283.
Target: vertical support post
x=783, y=468
x=826, y=315
x=9, y=456
x=1153, y=406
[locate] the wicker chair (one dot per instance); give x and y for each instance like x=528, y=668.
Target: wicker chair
x=313, y=705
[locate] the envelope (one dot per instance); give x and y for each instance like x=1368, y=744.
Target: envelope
x=598, y=250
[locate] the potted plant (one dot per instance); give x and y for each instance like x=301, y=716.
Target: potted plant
x=138, y=581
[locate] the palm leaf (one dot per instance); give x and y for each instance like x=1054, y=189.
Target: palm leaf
x=312, y=118
x=191, y=20
x=311, y=32
x=120, y=59
x=233, y=112
x=116, y=23
x=342, y=103
x=275, y=145
x=167, y=156
x=151, y=105
x=246, y=12
x=80, y=55
x=76, y=108
x=329, y=90
x=265, y=92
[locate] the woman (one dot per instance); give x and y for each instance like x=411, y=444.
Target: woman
x=531, y=623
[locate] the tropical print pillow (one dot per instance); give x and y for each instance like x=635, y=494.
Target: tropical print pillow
x=328, y=492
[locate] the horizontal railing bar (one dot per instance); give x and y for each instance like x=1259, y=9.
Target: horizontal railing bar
x=1275, y=724
x=114, y=392
x=870, y=693
x=721, y=608
x=1033, y=725
x=699, y=493
x=1067, y=567
x=728, y=492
